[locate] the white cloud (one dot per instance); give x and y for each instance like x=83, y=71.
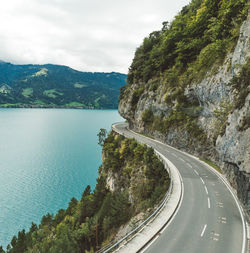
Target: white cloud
x=88, y=35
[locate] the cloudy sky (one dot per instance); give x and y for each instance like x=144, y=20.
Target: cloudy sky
x=88, y=35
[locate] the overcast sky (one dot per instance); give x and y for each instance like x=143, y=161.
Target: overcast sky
x=88, y=35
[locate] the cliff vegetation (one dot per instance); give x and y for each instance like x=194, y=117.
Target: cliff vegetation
x=189, y=83
x=140, y=182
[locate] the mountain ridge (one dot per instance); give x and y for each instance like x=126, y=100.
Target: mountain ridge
x=58, y=86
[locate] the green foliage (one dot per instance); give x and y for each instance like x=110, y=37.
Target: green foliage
x=27, y=92
x=139, y=169
x=52, y=93
x=194, y=44
x=135, y=96
x=241, y=84
x=57, y=86
x=221, y=115
x=210, y=163
x=178, y=118
x=92, y=220
x=148, y=117
x=102, y=136
x=122, y=92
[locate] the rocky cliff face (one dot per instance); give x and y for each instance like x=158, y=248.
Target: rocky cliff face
x=225, y=126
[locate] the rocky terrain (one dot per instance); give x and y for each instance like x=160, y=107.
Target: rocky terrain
x=214, y=121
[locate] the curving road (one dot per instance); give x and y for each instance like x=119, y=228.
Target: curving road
x=208, y=220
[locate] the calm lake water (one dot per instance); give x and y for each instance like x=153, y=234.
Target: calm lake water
x=47, y=156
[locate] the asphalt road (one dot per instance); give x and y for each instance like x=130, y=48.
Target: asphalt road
x=208, y=219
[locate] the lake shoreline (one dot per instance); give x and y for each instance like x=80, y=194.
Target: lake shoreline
x=57, y=107
x=56, y=155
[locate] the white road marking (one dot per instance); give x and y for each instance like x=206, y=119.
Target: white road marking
x=206, y=189
x=220, y=204
x=171, y=219
x=156, y=237
x=181, y=159
x=203, y=230
x=222, y=220
x=215, y=236
x=221, y=178
x=202, y=180
x=189, y=165
x=174, y=154
x=196, y=172
x=208, y=202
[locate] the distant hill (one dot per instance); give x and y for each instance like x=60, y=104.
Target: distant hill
x=57, y=86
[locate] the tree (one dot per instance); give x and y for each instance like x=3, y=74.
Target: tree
x=1, y=250
x=86, y=192
x=102, y=136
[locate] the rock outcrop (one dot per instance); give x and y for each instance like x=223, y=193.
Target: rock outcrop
x=225, y=125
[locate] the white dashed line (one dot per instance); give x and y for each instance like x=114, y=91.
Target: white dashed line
x=203, y=230
x=215, y=236
x=220, y=204
x=196, y=172
x=181, y=159
x=189, y=165
x=208, y=202
x=202, y=180
x=206, y=189
x=174, y=154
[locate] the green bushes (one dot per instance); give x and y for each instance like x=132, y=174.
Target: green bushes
x=187, y=49
x=95, y=218
x=179, y=118
x=211, y=52
x=148, y=117
x=138, y=168
x=241, y=84
x=221, y=115
x=135, y=97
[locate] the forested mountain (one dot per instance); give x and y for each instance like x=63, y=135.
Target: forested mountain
x=189, y=86
x=57, y=86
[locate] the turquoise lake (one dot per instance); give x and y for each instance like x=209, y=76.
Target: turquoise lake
x=47, y=156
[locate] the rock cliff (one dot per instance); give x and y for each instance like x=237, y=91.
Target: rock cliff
x=216, y=123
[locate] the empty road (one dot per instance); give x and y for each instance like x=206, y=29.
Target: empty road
x=208, y=219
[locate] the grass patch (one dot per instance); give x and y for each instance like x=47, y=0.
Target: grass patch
x=7, y=105
x=27, y=92
x=39, y=102
x=74, y=104
x=96, y=102
x=53, y=93
x=212, y=165
x=41, y=72
x=80, y=85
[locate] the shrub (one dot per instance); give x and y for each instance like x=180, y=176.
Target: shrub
x=148, y=117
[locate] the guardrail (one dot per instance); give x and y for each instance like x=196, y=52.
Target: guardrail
x=114, y=245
